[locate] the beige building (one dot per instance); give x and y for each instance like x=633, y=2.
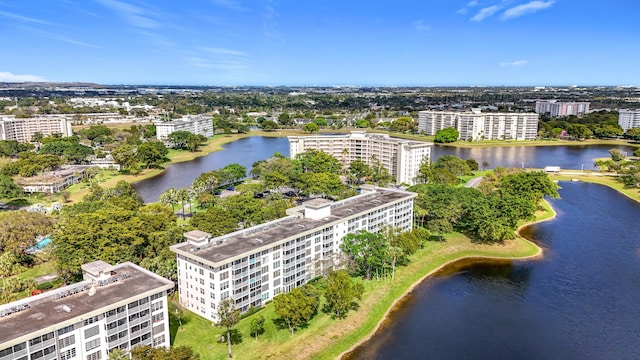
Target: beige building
x=22, y=130
x=119, y=306
x=401, y=157
x=561, y=108
x=253, y=265
x=475, y=125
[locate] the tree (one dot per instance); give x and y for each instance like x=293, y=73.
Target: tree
x=403, y=124
x=633, y=134
x=20, y=230
x=118, y=354
x=579, y=131
x=125, y=156
x=228, y=317
x=311, y=127
x=298, y=306
x=454, y=164
x=215, y=221
x=317, y=161
x=322, y=184
x=532, y=186
x=393, y=253
x=194, y=141
x=151, y=153
x=146, y=352
x=341, y=293
x=269, y=125
x=179, y=139
x=447, y=135
x=170, y=197
x=232, y=173
x=183, y=196
x=366, y=249
x=617, y=155
x=8, y=189
x=257, y=326
x=379, y=174
x=357, y=170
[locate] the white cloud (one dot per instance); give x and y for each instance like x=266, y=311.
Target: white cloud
x=516, y=63
x=421, y=25
x=223, y=51
x=11, y=77
x=26, y=19
x=528, y=8
x=134, y=15
x=485, y=13
x=466, y=8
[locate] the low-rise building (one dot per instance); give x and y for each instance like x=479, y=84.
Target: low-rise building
x=52, y=181
x=199, y=124
x=119, y=306
x=253, y=265
x=401, y=157
x=475, y=125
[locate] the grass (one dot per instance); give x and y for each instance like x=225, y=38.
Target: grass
x=610, y=181
x=326, y=338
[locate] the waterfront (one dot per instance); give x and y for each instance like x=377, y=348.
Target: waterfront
x=249, y=150
x=578, y=302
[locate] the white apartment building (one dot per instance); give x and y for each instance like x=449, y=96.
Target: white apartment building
x=401, y=157
x=629, y=119
x=475, y=125
x=253, y=265
x=119, y=306
x=22, y=130
x=202, y=125
x=561, y=108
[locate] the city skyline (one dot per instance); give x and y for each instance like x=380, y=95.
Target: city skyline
x=361, y=43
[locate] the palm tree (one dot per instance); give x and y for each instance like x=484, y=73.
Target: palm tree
x=118, y=354
x=183, y=195
x=169, y=197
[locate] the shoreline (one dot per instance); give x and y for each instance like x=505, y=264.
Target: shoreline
x=474, y=258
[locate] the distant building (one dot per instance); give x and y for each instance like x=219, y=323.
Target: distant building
x=52, y=181
x=121, y=306
x=401, y=157
x=200, y=124
x=629, y=119
x=475, y=125
x=561, y=108
x=22, y=130
x=253, y=265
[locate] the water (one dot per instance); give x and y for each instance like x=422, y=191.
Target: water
x=579, y=302
x=249, y=150
x=244, y=152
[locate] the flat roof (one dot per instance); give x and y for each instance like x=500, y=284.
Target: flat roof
x=45, y=312
x=252, y=239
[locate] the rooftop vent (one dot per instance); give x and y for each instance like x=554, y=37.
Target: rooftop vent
x=66, y=308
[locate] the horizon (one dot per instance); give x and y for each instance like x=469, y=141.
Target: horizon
x=274, y=43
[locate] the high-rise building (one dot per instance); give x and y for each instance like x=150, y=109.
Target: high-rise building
x=475, y=125
x=401, y=157
x=23, y=129
x=199, y=125
x=629, y=119
x=119, y=306
x=253, y=265
x=561, y=108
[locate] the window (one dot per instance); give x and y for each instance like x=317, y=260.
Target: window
x=70, y=340
x=91, y=320
x=91, y=332
x=158, y=341
x=92, y=344
x=224, y=285
x=68, y=354
x=224, y=275
x=276, y=264
x=95, y=356
x=66, y=329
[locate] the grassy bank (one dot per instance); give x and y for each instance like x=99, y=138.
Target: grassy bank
x=610, y=181
x=107, y=178
x=326, y=338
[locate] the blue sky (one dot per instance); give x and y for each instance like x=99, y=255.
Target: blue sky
x=322, y=42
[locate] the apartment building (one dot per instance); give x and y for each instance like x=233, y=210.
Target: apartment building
x=475, y=125
x=119, y=306
x=253, y=265
x=401, y=157
x=561, y=108
x=22, y=130
x=201, y=125
x=629, y=119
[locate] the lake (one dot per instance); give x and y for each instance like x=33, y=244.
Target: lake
x=579, y=302
x=249, y=150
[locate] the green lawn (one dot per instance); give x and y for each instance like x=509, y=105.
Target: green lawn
x=325, y=338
